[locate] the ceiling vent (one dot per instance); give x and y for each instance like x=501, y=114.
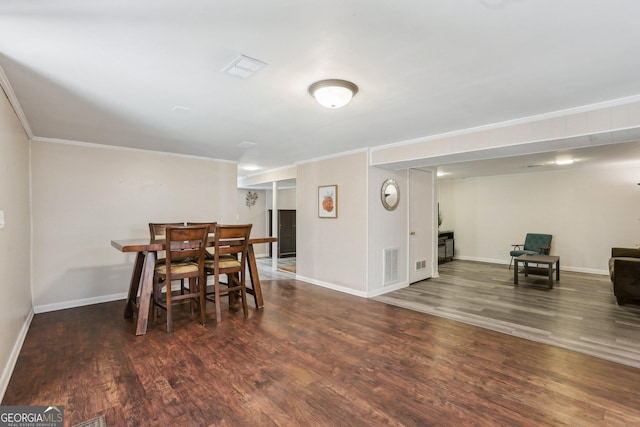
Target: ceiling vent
x=247, y=144
x=243, y=67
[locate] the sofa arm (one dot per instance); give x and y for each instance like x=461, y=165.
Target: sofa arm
x=625, y=252
x=626, y=279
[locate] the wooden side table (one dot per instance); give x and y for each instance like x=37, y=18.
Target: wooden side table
x=549, y=260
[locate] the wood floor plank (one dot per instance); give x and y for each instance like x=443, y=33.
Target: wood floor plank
x=579, y=313
x=315, y=357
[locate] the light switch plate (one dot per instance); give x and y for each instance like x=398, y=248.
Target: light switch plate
x=1, y=219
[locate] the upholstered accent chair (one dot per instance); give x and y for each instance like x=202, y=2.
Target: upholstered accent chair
x=534, y=244
x=624, y=270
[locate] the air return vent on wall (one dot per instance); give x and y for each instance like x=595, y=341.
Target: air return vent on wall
x=390, y=266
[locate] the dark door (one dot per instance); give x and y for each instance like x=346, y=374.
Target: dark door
x=286, y=232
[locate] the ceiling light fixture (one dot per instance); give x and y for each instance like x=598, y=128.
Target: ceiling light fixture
x=333, y=93
x=562, y=162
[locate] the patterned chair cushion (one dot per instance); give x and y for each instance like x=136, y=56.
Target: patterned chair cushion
x=187, y=267
x=225, y=262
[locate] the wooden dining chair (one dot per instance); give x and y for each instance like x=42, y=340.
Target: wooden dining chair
x=185, y=257
x=157, y=231
x=229, y=258
x=212, y=229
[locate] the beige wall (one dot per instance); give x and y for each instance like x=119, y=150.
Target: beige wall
x=333, y=252
x=85, y=195
x=15, y=239
x=587, y=211
x=255, y=215
x=286, y=198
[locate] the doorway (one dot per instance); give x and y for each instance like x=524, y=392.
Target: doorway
x=286, y=244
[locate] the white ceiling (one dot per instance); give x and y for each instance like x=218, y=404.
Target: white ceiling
x=114, y=71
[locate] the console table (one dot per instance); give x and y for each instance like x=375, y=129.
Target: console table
x=445, y=246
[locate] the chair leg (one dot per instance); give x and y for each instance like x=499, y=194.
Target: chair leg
x=243, y=293
x=238, y=280
x=156, y=292
x=216, y=295
x=169, y=313
x=192, y=287
x=232, y=281
x=510, y=262
x=202, y=287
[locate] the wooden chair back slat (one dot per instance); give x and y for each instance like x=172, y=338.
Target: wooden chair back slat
x=158, y=231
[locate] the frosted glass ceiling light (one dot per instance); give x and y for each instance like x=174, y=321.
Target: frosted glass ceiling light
x=333, y=93
x=564, y=160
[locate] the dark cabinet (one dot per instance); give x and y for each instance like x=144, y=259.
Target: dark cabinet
x=445, y=246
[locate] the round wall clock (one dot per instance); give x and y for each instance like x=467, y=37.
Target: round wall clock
x=390, y=194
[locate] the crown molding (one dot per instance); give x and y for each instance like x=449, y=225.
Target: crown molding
x=15, y=104
x=120, y=148
x=333, y=156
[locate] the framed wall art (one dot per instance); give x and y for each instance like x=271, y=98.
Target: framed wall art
x=328, y=201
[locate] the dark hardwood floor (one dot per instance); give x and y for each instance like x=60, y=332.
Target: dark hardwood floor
x=312, y=357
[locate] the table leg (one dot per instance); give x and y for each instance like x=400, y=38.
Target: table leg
x=134, y=286
x=550, y=273
x=558, y=270
x=255, y=278
x=145, y=293
x=515, y=272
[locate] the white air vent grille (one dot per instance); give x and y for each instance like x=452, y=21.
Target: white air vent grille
x=243, y=67
x=421, y=265
x=247, y=144
x=390, y=266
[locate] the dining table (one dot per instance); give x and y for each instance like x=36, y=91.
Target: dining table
x=143, y=268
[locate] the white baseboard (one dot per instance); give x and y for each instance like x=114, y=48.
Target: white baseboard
x=562, y=266
x=585, y=270
x=78, y=303
x=351, y=291
x=478, y=259
x=387, y=289
x=332, y=286
x=13, y=357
